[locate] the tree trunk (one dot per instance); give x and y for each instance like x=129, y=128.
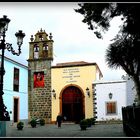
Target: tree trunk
x=137, y=86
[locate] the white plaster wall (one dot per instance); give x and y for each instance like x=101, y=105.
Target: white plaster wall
x=118, y=89
x=131, y=93
x=9, y=94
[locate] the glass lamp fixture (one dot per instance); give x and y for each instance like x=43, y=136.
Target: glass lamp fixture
x=20, y=35
x=53, y=93
x=110, y=95
x=88, y=92
x=4, y=23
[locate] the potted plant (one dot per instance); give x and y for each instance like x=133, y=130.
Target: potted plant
x=33, y=123
x=93, y=120
x=83, y=124
x=20, y=125
x=42, y=122
x=89, y=122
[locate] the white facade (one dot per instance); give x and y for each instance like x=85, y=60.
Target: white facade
x=10, y=96
x=131, y=91
x=121, y=96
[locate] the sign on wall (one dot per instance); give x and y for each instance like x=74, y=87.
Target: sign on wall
x=71, y=74
x=39, y=79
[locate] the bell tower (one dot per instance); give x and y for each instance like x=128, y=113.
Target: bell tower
x=39, y=76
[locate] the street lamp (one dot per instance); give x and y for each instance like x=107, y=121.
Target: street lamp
x=88, y=92
x=110, y=95
x=53, y=93
x=4, y=115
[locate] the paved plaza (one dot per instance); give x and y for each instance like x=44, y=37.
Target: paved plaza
x=67, y=130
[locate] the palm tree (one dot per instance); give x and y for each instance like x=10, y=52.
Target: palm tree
x=124, y=53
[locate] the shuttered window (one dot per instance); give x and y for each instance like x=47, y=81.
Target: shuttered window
x=111, y=107
x=16, y=79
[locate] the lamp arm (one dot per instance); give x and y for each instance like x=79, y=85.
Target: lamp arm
x=9, y=47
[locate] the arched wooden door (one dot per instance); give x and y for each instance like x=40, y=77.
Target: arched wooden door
x=72, y=104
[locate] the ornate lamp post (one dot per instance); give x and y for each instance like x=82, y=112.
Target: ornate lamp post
x=4, y=115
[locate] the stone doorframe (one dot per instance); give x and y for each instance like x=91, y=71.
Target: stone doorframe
x=83, y=96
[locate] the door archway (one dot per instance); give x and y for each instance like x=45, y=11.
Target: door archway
x=72, y=104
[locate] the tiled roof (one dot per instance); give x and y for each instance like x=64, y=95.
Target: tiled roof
x=71, y=63
x=76, y=63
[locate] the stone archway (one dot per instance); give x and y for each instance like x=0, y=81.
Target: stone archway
x=72, y=104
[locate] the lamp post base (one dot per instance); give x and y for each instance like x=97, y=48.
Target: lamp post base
x=2, y=128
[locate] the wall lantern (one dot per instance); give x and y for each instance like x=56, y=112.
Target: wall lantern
x=88, y=92
x=110, y=95
x=53, y=93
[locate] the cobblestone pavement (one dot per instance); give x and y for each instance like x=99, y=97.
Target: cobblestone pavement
x=66, y=130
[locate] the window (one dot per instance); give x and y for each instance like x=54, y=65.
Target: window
x=36, y=51
x=16, y=80
x=111, y=107
x=45, y=47
x=45, y=50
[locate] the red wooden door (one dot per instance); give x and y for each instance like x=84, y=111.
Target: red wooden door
x=72, y=104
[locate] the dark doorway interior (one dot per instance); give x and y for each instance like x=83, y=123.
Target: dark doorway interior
x=72, y=104
x=16, y=109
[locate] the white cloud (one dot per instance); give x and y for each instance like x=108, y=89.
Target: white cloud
x=73, y=41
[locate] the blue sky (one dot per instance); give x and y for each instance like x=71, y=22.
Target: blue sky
x=73, y=41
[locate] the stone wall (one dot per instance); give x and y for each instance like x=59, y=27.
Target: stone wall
x=39, y=99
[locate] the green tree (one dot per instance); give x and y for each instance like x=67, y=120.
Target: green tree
x=124, y=51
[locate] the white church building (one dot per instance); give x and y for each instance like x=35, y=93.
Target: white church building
x=111, y=96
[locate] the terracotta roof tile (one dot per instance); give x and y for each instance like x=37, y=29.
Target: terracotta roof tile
x=71, y=63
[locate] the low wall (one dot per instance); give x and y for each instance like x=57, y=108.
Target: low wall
x=131, y=120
